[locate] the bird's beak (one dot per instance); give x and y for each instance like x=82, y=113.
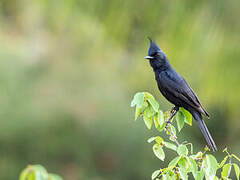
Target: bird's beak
x=148, y=57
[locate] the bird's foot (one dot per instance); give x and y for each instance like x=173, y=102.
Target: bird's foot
x=172, y=110
x=169, y=121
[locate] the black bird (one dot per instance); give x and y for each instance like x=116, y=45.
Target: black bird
x=176, y=90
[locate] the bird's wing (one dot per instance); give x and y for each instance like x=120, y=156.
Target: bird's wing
x=178, y=87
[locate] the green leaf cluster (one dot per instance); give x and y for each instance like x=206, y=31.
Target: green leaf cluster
x=148, y=108
x=186, y=165
x=37, y=172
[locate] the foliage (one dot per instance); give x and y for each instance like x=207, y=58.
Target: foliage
x=68, y=68
x=186, y=163
x=37, y=172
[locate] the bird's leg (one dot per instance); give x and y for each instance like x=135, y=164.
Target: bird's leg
x=173, y=111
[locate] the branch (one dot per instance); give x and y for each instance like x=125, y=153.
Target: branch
x=171, y=134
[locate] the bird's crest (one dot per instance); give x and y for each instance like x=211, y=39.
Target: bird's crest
x=154, y=48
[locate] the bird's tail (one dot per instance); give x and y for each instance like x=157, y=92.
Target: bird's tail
x=205, y=131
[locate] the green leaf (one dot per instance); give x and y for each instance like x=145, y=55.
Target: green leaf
x=170, y=145
x=138, y=100
x=225, y=170
x=24, y=174
x=188, y=116
x=155, y=174
x=159, y=140
x=148, y=95
x=137, y=112
x=160, y=121
x=166, y=177
x=223, y=162
x=147, y=121
x=54, y=177
x=180, y=118
x=34, y=172
x=154, y=104
x=40, y=172
x=158, y=151
x=194, y=167
x=174, y=162
x=38, y=176
x=237, y=170
x=199, y=175
x=149, y=111
x=151, y=139
x=160, y=118
x=32, y=176
x=183, y=173
x=145, y=105
x=210, y=166
x=182, y=150
x=174, y=177
x=160, y=128
x=147, y=116
x=37, y=172
x=182, y=163
x=155, y=121
x=188, y=164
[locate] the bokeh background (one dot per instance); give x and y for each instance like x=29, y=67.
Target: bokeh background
x=69, y=69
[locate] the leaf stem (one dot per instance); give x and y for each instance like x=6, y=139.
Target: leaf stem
x=191, y=147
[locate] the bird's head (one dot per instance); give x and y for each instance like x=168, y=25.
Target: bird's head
x=155, y=55
x=154, y=51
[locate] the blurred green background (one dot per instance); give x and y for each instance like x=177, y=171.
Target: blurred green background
x=69, y=69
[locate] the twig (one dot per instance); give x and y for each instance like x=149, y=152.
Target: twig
x=171, y=134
